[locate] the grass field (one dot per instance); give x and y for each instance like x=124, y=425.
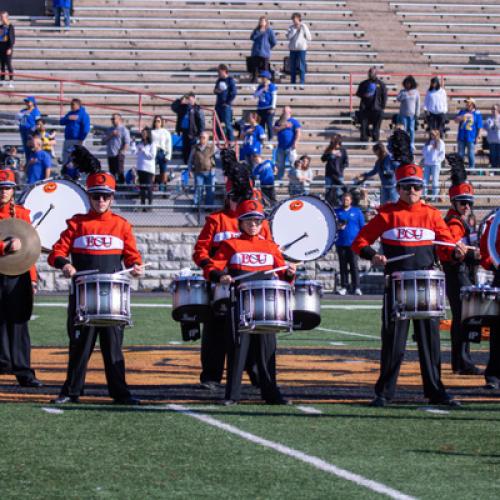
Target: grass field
x=182, y=444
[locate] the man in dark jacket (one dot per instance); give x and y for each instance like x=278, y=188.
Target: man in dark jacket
x=225, y=90
x=190, y=122
x=373, y=95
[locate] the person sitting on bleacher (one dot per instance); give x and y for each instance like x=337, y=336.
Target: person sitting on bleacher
x=470, y=123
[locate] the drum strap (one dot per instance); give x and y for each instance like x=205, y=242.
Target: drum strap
x=233, y=311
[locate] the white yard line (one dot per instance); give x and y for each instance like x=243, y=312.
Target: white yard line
x=309, y=410
x=53, y=411
x=316, y=462
x=344, y=332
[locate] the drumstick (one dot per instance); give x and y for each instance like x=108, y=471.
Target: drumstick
x=269, y=271
x=288, y=245
x=125, y=271
x=83, y=273
x=51, y=207
x=400, y=257
x=446, y=244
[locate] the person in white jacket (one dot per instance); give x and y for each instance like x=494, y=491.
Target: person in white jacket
x=433, y=154
x=436, y=106
x=146, y=165
x=298, y=35
x=162, y=139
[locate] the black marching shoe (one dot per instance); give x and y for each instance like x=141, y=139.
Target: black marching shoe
x=492, y=385
x=379, y=402
x=279, y=401
x=474, y=370
x=229, y=402
x=210, y=385
x=62, y=400
x=130, y=401
x=446, y=401
x=33, y=382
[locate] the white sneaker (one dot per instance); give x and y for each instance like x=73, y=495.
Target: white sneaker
x=10, y=85
x=341, y=291
x=358, y=291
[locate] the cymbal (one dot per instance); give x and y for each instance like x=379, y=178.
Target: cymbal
x=19, y=262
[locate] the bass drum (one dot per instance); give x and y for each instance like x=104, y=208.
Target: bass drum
x=51, y=202
x=304, y=227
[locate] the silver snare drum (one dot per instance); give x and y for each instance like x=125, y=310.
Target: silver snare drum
x=480, y=305
x=191, y=301
x=306, y=304
x=102, y=300
x=221, y=293
x=265, y=306
x=418, y=294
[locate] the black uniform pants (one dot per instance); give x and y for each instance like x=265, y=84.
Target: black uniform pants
x=213, y=349
x=348, y=263
x=394, y=335
x=460, y=348
x=367, y=118
x=16, y=304
x=81, y=345
x=492, y=372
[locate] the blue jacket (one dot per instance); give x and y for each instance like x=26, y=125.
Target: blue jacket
x=27, y=120
x=78, y=129
x=264, y=172
x=354, y=220
x=267, y=97
x=62, y=4
x=36, y=171
x=227, y=95
x=263, y=42
x=385, y=170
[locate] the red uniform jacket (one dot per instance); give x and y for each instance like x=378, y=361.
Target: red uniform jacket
x=405, y=229
x=486, y=260
x=219, y=226
x=23, y=214
x=460, y=231
x=96, y=241
x=245, y=254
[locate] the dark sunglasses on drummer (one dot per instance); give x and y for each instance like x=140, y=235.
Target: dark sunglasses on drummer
x=408, y=187
x=466, y=203
x=98, y=196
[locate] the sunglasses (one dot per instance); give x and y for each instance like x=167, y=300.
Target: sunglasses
x=98, y=196
x=257, y=222
x=465, y=203
x=408, y=187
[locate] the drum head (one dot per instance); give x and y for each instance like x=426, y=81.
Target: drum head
x=67, y=199
x=304, y=227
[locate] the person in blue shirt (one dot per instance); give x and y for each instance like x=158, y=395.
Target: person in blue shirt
x=470, y=123
x=385, y=167
x=264, y=40
x=62, y=7
x=267, y=96
x=76, y=127
x=38, y=163
x=252, y=135
x=27, y=118
x=225, y=90
x=287, y=130
x=263, y=171
x=350, y=220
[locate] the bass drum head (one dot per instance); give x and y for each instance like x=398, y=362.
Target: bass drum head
x=309, y=222
x=67, y=199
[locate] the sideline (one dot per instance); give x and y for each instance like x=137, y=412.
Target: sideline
x=344, y=332
x=296, y=454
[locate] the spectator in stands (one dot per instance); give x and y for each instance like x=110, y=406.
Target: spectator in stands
x=350, y=220
x=117, y=140
x=202, y=164
x=436, y=106
x=62, y=7
x=336, y=159
x=287, y=130
x=39, y=162
x=225, y=90
x=263, y=171
x=253, y=136
x=27, y=118
x=300, y=176
x=409, y=106
x=7, y=41
x=267, y=96
x=384, y=167
x=470, y=123
x=162, y=139
x=298, y=36
x=433, y=154
x=48, y=137
x=492, y=126
x=373, y=95
x=190, y=122
x=146, y=165
x=76, y=127
x=264, y=40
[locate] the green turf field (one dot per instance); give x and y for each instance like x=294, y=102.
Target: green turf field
x=155, y=451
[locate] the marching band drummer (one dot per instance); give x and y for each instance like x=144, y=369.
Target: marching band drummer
x=98, y=240
x=457, y=272
x=219, y=226
x=16, y=296
x=492, y=372
x=404, y=227
x=250, y=252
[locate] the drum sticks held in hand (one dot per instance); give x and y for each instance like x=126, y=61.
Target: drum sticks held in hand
x=130, y=269
x=453, y=245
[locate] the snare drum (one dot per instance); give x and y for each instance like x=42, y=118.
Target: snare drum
x=265, y=306
x=191, y=301
x=418, y=294
x=102, y=300
x=480, y=307
x=306, y=304
x=221, y=293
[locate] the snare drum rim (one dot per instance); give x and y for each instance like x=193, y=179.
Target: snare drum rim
x=418, y=274
x=268, y=284
x=105, y=278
